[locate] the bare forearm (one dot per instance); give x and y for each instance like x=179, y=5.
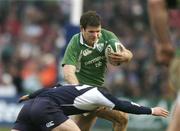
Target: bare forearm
x=69, y=74
x=71, y=79
x=158, y=15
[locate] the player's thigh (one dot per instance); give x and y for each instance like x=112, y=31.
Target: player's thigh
x=112, y=115
x=85, y=121
x=23, y=123
x=88, y=118
x=46, y=114
x=68, y=125
x=15, y=130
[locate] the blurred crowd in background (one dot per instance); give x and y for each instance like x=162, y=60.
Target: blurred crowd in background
x=33, y=39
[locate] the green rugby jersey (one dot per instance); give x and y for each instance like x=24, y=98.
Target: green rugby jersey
x=90, y=62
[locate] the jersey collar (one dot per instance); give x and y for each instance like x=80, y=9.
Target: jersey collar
x=83, y=43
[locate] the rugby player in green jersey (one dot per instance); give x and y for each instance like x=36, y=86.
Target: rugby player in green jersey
x=84, y=62
x=158, y=14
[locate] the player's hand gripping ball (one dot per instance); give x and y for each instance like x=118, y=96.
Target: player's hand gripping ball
x=113, y=47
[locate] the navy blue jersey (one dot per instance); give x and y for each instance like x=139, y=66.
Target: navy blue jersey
x=48, y=108
x=76, y=99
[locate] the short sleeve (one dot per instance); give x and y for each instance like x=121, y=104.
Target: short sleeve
x=71, y=53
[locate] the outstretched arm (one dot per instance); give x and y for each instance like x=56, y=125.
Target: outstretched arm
x=133, y=108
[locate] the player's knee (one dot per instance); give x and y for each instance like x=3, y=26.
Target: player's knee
x=118, y=117
x=113, y=115
x=122, y=123
x=122, y=119
x=85, y=122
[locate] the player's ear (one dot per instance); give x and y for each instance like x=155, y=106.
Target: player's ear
x=82, y=28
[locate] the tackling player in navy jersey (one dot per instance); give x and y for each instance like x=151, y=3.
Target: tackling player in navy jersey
x=48, y=109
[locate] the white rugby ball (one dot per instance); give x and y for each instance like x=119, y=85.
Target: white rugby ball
x=113, y=47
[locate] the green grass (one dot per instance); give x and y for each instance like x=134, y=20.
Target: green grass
x=5, y=129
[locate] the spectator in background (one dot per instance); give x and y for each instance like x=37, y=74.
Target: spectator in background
x=7, y=89
x=126, y=18
x=158, y=14
x=26, y=35
x=48, y=71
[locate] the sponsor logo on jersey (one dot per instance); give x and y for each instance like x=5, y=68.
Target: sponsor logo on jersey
x=87, y=52
x=49, y=124
x=100, y=47
x=95, y=60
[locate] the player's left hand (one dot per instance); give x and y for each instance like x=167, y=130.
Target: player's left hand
x=159, y=111
x=120, y=57
x=23, y=98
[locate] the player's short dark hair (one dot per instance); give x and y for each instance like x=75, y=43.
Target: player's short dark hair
x=90, y=18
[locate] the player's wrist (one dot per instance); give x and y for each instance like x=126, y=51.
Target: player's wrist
x=128, y=56
x=152, y=111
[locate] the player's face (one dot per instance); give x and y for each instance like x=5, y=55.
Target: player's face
x=91, y=34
